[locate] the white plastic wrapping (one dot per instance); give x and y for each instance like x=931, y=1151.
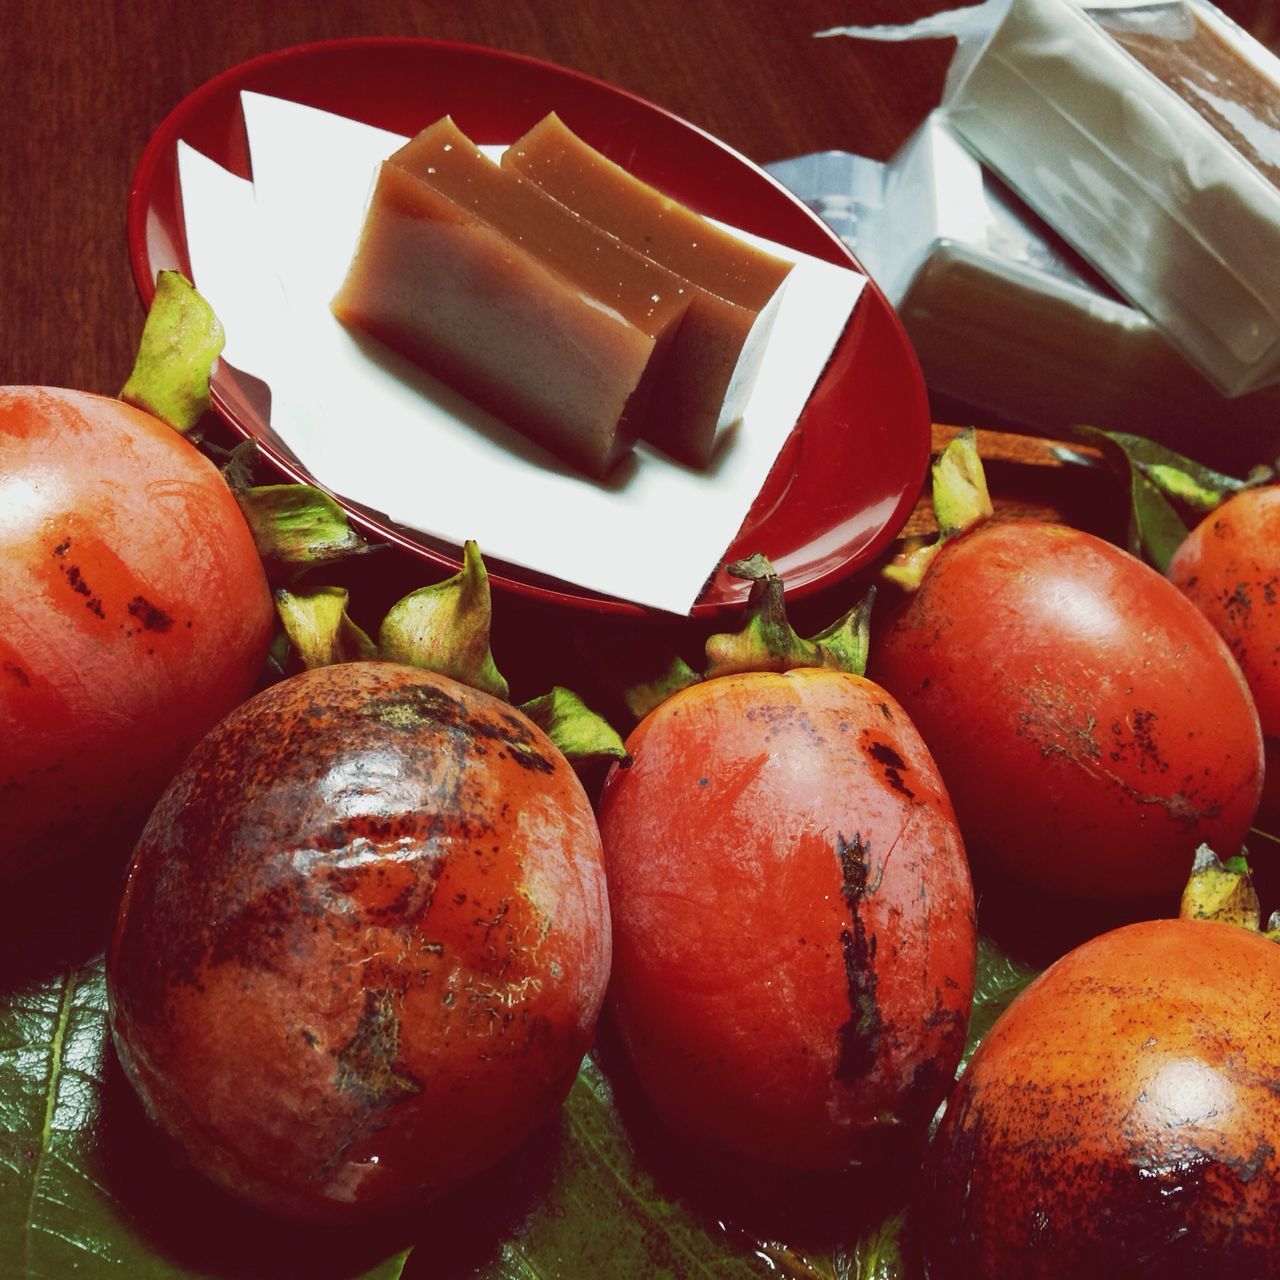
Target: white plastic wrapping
x=1005, y=317
x=1180, y=214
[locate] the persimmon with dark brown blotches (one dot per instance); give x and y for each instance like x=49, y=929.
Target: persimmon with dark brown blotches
x=1091, y=726
x=794, y=938
x=363, y=943
x=134, y=614
x=1122, y=1118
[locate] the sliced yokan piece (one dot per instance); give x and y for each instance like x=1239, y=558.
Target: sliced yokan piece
x=717, y=353
x=555, y=327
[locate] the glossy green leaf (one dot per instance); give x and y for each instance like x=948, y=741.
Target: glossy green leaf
x=1156, y=530
x=998, y=982
x=1160, y=481
x=1175, y=475
x=88, y=1189
x=878, y=1255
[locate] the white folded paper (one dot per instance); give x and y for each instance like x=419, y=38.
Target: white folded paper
x=270, y=255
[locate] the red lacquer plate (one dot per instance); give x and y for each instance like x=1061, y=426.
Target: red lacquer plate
x=849, y=474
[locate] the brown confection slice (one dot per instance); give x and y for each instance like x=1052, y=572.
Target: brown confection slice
x=716, y=355
x=494, y=288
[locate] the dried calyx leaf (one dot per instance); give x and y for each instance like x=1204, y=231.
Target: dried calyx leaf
x=180, y=341
x=578, y=732
x=319, y=629
x=297, y=527
x=768, y=642
x=445, y=628
x=643, y=698
x=1221, y=891
x=961, y=500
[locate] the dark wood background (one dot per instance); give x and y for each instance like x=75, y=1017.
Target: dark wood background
x=83, y=85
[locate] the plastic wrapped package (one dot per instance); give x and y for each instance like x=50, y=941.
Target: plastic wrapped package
x=1005, y=317
x=1148, y=135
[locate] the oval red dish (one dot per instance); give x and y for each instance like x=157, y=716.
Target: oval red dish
x=851, y=470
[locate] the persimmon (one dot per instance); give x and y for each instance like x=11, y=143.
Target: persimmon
x=1091, y=726
x=134, y=614
x=363, y=943
x=794, y=935
x=1229, y=567
x=1121, y=1118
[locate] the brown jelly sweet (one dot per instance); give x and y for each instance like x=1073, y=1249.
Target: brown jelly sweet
x=716, y=354
x=503, y=294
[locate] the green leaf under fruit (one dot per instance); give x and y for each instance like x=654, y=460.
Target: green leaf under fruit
x=89, y=1189
x=1183, y=479
x=579, y=733
x=1158, y=478
x=1156, y=530
x=998, y=982
x=605, y=1207
x=180, y=341
x=878, y=1256
x=445, y=628
x=297, y=527
x=319, y=629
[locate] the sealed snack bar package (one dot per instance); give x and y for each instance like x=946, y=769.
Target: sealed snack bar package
x=1005, y=317
x=1147, y=134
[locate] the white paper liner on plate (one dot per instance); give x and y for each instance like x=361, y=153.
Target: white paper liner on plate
x=374, y=430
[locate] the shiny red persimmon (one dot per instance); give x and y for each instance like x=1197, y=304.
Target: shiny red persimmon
x=364, y=941
x=793, y=918
x=1090, y=725
x=1229, y=567
x=1120, y=1119
x=134, y=614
